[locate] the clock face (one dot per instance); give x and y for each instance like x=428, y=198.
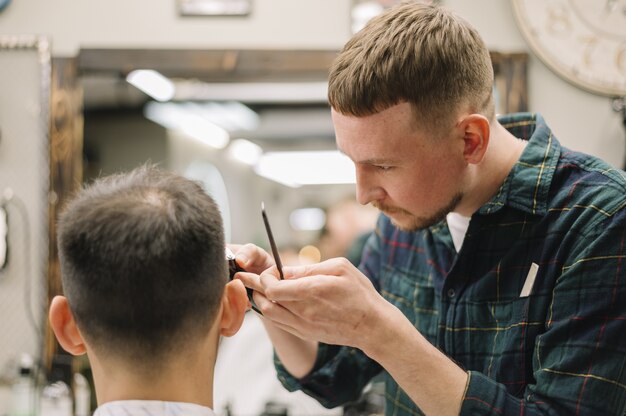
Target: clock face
x=584, y=41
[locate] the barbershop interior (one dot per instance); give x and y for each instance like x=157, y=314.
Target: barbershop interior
x=233, y=94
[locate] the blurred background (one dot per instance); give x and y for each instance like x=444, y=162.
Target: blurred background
x=231, y=93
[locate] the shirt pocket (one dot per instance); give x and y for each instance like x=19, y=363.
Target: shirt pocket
x=415, y=296
x=501, y=340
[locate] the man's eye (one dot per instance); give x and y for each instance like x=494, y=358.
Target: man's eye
x=384, y=168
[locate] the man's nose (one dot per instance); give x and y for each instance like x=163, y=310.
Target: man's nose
x=366, y=189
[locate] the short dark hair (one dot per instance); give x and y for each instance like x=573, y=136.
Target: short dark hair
x=414, y=52
x=142, y=261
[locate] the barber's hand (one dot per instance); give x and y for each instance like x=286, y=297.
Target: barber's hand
x=251, y=258
x=330, y=302
x=297, y=354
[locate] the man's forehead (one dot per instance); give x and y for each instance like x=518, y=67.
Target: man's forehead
x=369, y=155
x=403, y=110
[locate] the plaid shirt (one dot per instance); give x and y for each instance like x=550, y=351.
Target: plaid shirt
x=558, y=216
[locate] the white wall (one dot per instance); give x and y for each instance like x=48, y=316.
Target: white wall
x=24, y=175
x=283, y=24
x=581, y=120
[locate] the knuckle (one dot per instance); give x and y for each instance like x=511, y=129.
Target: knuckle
x=341, y=264
x=345, y=263
x=248, y=247
x=267, y=308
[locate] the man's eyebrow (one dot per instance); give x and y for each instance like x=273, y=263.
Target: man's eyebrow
x=379, y=161
x=372, y=161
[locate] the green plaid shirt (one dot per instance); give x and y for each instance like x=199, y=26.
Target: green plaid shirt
x=560, y=350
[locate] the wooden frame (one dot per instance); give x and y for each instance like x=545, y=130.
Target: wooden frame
x=510, y=81
x=66, y=167
x=276, y=65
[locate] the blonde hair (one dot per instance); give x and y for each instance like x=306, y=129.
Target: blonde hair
x=418, y=53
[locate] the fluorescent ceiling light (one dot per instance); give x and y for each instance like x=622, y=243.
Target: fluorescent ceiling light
x=307, y=219
x=187, y=120
x=295, y=169
x=245, y=151
x=215, y=7
x=264, y=92
x=231, y=115
x=165, y=114
x=152, y=83
x=204, y=131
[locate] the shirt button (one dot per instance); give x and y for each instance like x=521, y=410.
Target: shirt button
x=451, y=293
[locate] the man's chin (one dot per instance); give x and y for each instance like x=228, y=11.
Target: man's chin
x=407, y=222
x=408, y=226
x=402, y=220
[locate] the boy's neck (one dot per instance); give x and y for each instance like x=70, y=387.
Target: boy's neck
x=186, y=378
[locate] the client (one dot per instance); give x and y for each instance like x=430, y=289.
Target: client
x=146, y=292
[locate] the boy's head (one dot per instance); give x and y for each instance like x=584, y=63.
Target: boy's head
x=143, y=267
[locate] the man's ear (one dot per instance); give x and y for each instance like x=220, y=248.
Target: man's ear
x=64, y=326
x=234, y=305
x=476, y=130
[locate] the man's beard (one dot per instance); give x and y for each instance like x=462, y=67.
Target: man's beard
x=419, y=223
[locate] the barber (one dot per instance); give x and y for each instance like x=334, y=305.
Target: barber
x=495, y=281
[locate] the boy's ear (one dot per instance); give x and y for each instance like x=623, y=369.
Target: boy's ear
x=476, y=131
x=234, y=305
x=64, y=326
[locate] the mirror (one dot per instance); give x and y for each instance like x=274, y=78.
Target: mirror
x=267, y=101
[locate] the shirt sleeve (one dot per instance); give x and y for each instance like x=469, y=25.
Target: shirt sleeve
x=340, y=373
x=579, y=362
x=338, y=377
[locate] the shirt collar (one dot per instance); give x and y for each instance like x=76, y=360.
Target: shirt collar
x=527, y=185
x=151, y=408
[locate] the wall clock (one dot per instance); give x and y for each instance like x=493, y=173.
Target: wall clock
x=583, y=41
